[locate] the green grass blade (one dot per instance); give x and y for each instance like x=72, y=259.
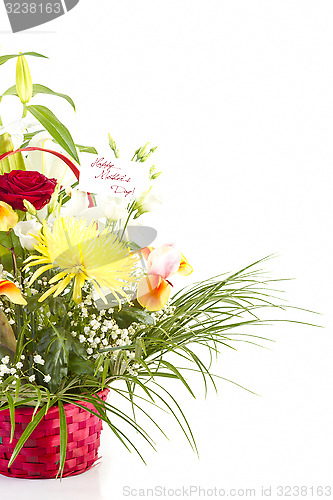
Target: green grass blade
x=26, y=434
x=63, y=438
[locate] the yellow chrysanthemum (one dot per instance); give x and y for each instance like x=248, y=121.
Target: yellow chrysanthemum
x=82, y=253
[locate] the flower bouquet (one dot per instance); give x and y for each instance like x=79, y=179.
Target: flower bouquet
x=86, y=307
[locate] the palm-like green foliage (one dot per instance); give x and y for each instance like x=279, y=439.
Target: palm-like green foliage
x=208, y=316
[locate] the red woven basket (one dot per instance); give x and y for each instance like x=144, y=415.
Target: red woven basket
x=40, y=455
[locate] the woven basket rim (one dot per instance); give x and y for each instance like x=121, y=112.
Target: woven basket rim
x=22, y=410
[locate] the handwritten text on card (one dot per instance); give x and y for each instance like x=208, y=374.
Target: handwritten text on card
x=113, y=177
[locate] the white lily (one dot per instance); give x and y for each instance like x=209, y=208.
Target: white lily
x=25, y=231
x=46, y=163
x=148, y=201
x=78, y=207
x=16, y=130
x=113, y=208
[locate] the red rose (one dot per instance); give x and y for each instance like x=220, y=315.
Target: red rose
x=19, y=185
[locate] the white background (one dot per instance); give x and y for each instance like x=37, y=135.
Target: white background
x=238, y=96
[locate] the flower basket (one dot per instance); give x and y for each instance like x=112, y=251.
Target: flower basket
x=87, y=305
x=39, y=457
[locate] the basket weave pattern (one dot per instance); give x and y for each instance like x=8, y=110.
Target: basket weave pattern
x=40, y=455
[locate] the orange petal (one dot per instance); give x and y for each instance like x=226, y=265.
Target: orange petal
x=11, y=291
x=185, y=269
x=8, y=218
x=146, y=251
x=153, y=292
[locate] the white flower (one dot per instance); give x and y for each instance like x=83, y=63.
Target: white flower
x=25, y=230
x=5, y=360
x=46, y=163
x=16, y=129
x=19, y=365
x=148, y=201
x=89, y=350
x=47, y=378
x=78, y=206
x=12, y=371
x=22, y=357
x=113, y=208
x=39, y=360
x=82, y=339
x=32, y=378
x=3, y=370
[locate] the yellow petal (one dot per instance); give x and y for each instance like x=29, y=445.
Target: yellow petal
x=10, y=290
x=62, y=285
x=8, y=218
x=153, y=292
x=185, y=269
x=39, y=271
x=48, y=292
x=78, y=284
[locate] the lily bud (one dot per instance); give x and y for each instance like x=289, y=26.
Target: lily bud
x=30, y=208
x=113, y=146
x=153, y=175
x=51, y=207
x=13, y=162
x=23, y=80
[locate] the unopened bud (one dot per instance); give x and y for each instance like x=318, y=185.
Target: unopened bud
x=30, y=208
x=155, y=176
x=113, y=146
x=53, y=201
x=13, y=162
x=23, y=80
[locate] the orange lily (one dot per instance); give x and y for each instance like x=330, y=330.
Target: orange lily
x=154, y=290
x=8, y=218
x=10, y=290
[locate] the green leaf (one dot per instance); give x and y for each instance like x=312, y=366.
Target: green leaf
x=63, y=354
x=12, y=415
x=6, y=240
x=173, y=369
x=63, y=438
x=11, y=91
x=55, y=128
x=55, y=353
x=7, y=261
x=126, y=316
x=87, y=149
x=32, y=303
x=4, y=59
x=41, y=89
x=27, y=432
x=78, y=365
x=29, y=135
